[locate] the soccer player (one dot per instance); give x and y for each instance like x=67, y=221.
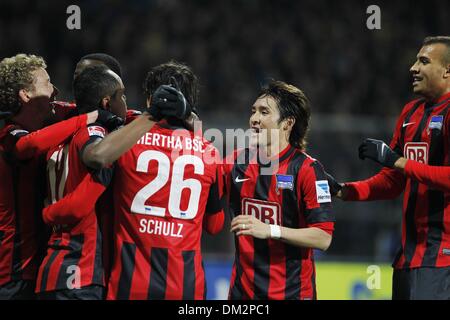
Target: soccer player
x=25, y=94
x=166, y=188
x=422, y=266
x=94, y=59
x=65, y=109
x=73, y=268
x=278, y=215
x=437, y=177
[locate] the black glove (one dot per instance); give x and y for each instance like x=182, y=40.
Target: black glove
x=169, y=102
x=378, y=151
x=335, y=186
x=109, y=120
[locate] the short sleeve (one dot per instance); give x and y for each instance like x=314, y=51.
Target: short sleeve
x=13, y=135
x=314, y=194
x=215, y=199
x=85, y=137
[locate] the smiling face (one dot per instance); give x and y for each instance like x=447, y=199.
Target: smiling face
x=265, y=125
x=430, y=72
x=36, y=100
x=42, y=87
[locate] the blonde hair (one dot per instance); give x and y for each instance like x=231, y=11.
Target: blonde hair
x=15, y=75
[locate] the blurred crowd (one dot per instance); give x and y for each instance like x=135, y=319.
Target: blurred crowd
x=323, y=47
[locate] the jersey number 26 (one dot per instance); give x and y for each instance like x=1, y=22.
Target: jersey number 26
x=176, y=187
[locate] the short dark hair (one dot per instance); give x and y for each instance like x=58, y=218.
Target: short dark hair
x=185, y=79
x=292, y=103
x=92, y=85
x=445, y=40
x=108, y=60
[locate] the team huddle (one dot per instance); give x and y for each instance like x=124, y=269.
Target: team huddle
x=99, y=201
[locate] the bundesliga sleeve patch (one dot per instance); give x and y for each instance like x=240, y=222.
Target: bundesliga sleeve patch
x=96, y=131
x=323, y=191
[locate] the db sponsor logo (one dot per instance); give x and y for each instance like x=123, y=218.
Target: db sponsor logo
x=265, y=211
x=417, y=151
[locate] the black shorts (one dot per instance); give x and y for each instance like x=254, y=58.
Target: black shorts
x=421, y=284
x=18, y=290
x=93, y=292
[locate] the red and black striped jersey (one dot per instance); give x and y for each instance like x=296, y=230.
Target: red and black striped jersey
x=163, y=188
x=294, y=194
x=74, y=254
x=421, y=134
x=22, y=232
x=22, y=191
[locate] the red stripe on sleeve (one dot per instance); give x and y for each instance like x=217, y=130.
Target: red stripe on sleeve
x=73, y=207
x=387, y=184
x=436, y=177
x=328, y=227
x=42, y=140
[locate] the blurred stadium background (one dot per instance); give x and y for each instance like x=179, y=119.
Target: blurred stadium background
x=357, y=80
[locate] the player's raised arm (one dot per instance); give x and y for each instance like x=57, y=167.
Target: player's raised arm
x=166, y=101
x=378, y=151
x=434, y=176
x=387, y=184
x=40, y=141
x=72, y=208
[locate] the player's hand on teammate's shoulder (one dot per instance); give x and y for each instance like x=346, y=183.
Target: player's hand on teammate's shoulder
x=250, y=226
x=378, y=151
x=168, y=101
x=109, y=120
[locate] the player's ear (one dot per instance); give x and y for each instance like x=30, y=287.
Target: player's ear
x=24, y=96
x=447, y=72
x=104, y=104
x=288, y=124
